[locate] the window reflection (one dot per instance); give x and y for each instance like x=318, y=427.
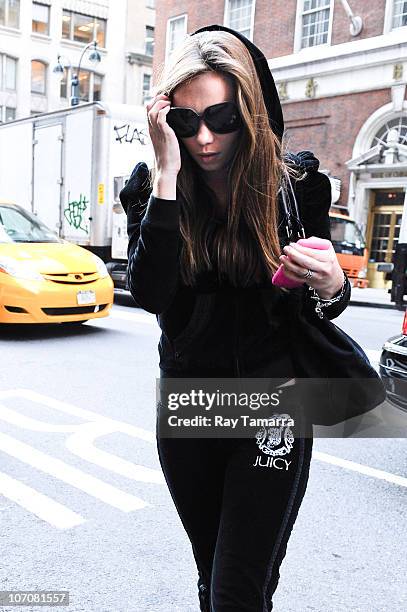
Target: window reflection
x=38, y=77
x=40, y=18
x=83, y=28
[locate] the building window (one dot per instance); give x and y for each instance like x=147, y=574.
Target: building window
x=149, y=40
x=10, y=13
x=150, y=4
x=7, y=114
x=66, y=24
x=239, y=16
x=8, y=72
x=176, y=32
x=63, y=92
x=97, y=87
x=84, y=85
x=83, y=28
x=90, y=85
x=146, y=88
x=399, y=13
x=315, y=22
x=394, y=130
x=38, y=77
x=10, y=114
x=40, y=18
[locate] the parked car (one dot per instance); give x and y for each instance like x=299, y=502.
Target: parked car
x=393, y=367
x=44, y=278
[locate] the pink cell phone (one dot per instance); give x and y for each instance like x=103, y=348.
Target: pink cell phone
x=281, y=280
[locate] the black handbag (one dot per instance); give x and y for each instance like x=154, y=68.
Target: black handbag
x=341, y=383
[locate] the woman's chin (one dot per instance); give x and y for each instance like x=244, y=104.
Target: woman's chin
x=215, y=165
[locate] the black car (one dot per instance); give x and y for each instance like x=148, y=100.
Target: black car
x=393, y=367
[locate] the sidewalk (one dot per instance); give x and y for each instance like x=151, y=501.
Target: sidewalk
x=377, y=298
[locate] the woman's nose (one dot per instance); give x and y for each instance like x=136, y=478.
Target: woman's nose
x=204, y=134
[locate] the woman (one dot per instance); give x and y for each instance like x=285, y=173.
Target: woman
x=203, y=246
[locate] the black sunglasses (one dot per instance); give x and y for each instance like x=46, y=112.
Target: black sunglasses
x=221, y=118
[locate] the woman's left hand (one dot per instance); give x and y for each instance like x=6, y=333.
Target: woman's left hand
x=327, y=274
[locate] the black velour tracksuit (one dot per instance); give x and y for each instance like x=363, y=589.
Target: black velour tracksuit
x=237, y=504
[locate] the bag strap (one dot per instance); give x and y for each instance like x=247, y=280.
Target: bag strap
x=293, y=224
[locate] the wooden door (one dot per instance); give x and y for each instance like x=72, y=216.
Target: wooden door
x=386, y=209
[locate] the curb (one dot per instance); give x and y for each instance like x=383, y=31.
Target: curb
x=372, y=304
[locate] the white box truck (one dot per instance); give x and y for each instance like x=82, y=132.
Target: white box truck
x=68, y=167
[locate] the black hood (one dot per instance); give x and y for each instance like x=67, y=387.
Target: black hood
x=268, y=86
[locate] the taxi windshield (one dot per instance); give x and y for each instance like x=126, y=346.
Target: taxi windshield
x=18, y=225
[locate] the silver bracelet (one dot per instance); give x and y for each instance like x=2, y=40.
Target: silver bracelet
x=322, y=302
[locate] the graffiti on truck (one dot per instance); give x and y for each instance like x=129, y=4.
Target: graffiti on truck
x=75, y=210
x=124, y=133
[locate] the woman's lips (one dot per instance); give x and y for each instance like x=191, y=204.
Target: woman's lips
x=207, y=158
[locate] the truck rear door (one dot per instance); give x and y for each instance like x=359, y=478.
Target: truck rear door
x=47, y=174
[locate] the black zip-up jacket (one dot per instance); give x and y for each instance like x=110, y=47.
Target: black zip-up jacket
x=153, y=273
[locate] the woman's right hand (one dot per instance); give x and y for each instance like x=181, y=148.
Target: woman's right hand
x=165, y=142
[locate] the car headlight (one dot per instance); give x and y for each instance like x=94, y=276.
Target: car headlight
x=101, y=266
x=18, y=269
x=362, y=273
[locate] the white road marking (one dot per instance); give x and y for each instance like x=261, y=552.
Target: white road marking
x=81, y=443
x=77, y=411
x=136, y=317
x=24, y=422
x=84, y=435
x=359, y=467
x=44, y=507
x=71, y=475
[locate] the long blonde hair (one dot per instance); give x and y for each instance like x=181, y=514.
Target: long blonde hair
x=247, y=246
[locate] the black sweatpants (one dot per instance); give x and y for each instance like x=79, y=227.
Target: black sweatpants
x=237, y=499
x=238, y=507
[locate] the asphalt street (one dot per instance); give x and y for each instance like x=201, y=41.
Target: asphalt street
x=83, y=502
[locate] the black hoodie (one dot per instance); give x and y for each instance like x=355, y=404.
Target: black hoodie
x=153, y=223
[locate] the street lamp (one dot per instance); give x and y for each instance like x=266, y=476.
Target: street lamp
x=356, y=22
x=59, y=68
x=94, y=57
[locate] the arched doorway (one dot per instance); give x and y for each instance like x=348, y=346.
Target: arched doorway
x=378, y=188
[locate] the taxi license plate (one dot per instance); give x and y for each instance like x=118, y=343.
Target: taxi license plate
x=86, y=297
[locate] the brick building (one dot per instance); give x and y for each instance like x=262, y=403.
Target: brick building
x=341, y=70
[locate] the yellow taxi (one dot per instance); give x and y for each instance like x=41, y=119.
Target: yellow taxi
x=44, y=278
